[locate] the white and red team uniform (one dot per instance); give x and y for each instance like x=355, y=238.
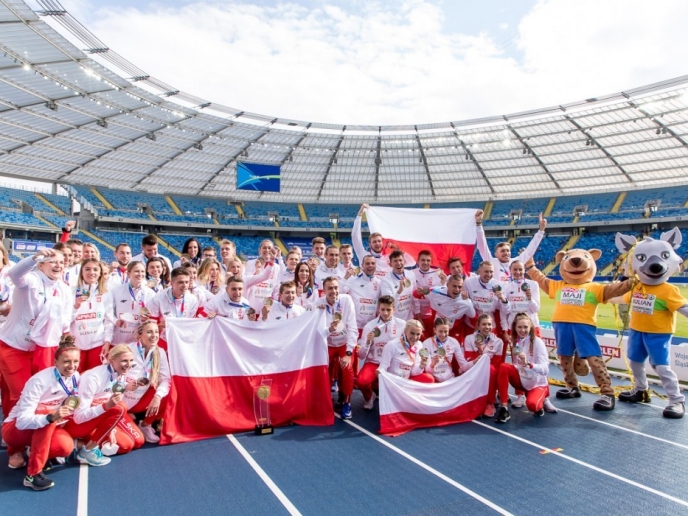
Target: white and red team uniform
x=41, y=313
x=340, y=341
x=453, y=309
x=365, y=292
x=396, y=359
x=502, y=272
x=485, y=301
x=223, y=306
x=93, y=324
x=307, y=299
x=71, y=275
x=422, y=308
x=203, y=295
x=493, y=348
x=137, y=401
x=443, y=370
x=257, y=292
x=117, y=278
x=164, y=306
x=518, y=302
x=284, y=276
x=128, y=300
x=280, y=311
x=533, y=378
x=372, y=354
x=141, y=258
x=6, y=289
x=26, y=424
x=403, y=303
x=322, y=272
x=113, y=428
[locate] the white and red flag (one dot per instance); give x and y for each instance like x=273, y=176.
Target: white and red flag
x=406, y=405
x=218, y=364
x=446, y=232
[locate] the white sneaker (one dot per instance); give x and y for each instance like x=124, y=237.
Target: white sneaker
x=519, y=401
x=92, y=457
x=370, y=404
x=549, y=406
x=149, y=434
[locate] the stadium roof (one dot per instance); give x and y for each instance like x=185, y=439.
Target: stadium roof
x=74, y=111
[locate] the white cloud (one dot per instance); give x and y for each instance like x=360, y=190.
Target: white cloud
x=504, y=26
x=377, y=66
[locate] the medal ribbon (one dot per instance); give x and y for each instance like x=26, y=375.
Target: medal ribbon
x=147, y=360
x=75, y=386
x=174, y=304
x=407, y=347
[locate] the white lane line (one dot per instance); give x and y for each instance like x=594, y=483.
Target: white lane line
x=264, y=477
x=430, y=469
x=587, y=465
x=651, y=406
x=82, y=497
x=685, y=447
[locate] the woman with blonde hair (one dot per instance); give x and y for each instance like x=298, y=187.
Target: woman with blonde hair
x=152, y=371
x=93, y=319
x=130, y=304
x=101, y=420
x=210, y=276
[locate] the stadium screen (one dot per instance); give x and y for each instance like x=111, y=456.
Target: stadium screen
x=252, y=176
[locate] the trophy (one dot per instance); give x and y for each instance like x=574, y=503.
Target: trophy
x=261, y=407
x=71, y=402
x=525, y=287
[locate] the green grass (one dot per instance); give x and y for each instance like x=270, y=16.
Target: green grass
x=605, y=314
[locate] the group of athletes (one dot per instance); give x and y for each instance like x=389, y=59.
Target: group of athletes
x=83, y=362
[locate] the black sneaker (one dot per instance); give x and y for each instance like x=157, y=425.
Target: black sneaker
x=604, y=403
x=38, y=482
x=635, y=396
x=539, y=413
x=675, y=410
x=502, y=415
x=568, y=393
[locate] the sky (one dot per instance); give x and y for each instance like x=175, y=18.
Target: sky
x=394, y=62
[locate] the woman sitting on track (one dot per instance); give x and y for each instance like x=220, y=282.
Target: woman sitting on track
x=405, y=356
x=528, y=371
x=484, y=342
x=152, y=372
x=93, y=319
x=37, y=420
x=102, y=418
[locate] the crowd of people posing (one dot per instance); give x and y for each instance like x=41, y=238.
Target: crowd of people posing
x=83, y=363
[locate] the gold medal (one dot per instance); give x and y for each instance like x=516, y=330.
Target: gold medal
x=337, y=316
x=119, y=387
x=315, y=259
x=142, y=382
x=425, y=291
x=267, y=301
x=357, y=271
x=260, y=261
x=215, y=290
x=263, y=392
x=151, y=283
x=144, y=311
x=423, y=353
x=479, y=339
x=71, y=402
x=86, y=294
x=407, y=283
x=376, y=332
x=442, y=352
x=185, y=257
x=250, y=312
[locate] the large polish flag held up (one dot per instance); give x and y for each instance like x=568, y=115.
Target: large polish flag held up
x=218, y=364
x=446, y=232
x=406, y=405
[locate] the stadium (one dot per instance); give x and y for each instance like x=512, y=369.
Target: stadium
x=128, y=155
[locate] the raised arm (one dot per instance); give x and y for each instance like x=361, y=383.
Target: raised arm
x=534, y=242
x=483, y=248
x=537, y=276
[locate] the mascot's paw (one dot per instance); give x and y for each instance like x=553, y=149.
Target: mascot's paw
x=675, y=411
x=580, y=366
x=605, y=403
x=635, y=396
x=568, y=393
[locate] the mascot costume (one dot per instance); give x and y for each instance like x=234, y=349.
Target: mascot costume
x=575, y=320
x=653, y=306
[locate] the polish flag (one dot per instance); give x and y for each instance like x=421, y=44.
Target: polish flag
x=218, y=364
x=406, y=405
x=447, y=233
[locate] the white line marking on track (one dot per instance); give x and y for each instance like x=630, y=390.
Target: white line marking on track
x=264, y=477
x=586, y=465
x=625, y=429
x=430, y=469
x=82, y=490
x=651, y=406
